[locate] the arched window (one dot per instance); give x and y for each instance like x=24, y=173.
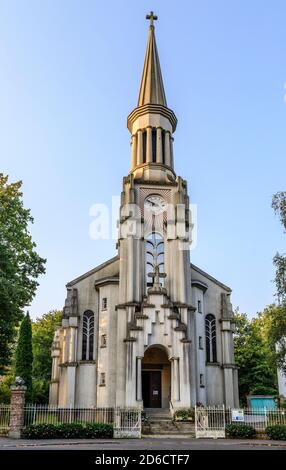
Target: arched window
x=154, y=256
x=87, y=335
x=210, y=338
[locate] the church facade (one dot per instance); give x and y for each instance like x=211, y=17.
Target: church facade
x=147, y=328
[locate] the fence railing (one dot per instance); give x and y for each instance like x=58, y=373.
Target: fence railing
x=211, y=421
x=5, y=411
x=126, y=421
x=37, y=414
x=258, y=418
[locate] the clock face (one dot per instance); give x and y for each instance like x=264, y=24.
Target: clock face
x=155, y=204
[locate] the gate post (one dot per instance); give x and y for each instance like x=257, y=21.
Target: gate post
x=18, y=391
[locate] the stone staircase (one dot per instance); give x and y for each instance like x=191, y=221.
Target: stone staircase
x=159, y=422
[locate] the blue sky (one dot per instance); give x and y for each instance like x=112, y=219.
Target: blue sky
x=70, y=74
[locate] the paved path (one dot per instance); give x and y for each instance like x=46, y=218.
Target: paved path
x=141, y=444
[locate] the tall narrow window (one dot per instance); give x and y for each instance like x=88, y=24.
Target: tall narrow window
x=163, y=146
x=104, y=303
x=199, y=306
x=210, y=324
x=154, y=256
x=87, y=335
x=154, y=144
x=144, y=142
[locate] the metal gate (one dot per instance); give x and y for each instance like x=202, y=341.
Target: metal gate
x=127, y=423
x=210, y=422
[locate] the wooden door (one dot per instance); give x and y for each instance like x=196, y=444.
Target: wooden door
x=155, y=389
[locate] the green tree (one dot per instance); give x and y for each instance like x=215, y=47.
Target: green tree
x=43, y=330
x=277, y=332
x=254, y=358
x=24, y=355
x=273, y=324
x=20, y=265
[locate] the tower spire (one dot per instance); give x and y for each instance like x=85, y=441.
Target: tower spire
x=152, y=88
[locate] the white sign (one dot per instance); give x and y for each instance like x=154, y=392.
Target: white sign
x=237, y=415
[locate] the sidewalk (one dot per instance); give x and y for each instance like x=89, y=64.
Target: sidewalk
x=154, y=443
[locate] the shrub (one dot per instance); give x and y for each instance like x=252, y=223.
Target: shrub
x=240, y=431
x=98, y=430
x=185, y=414
x=68, y=431
x=277, y=432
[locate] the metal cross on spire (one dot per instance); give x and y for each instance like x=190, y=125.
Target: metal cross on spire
x=152, y=18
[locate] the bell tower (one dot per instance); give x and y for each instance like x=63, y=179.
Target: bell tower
x=153, y=245
x=152, y=123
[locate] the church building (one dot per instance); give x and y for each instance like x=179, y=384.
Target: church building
x=147, y=328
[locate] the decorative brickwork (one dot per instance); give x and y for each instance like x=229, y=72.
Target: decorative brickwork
x=17, y=410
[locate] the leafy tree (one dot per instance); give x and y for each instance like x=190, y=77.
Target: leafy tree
x=24, y=355
x=20, y=265
x=279, y=260
x=5, y=384
x=277, y=331
x=273, y=325
x=43, y=332
x=254, y=358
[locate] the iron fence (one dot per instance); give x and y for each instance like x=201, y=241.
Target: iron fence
x=126, y=421
x=5, y=411
x=210, y=422
x=259, y=419
x=38, y=414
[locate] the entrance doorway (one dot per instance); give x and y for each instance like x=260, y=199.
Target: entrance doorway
x=152, y=389
x=156, y=378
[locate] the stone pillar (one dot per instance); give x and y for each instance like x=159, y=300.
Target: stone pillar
x=139, y=147
x=172, y=152
x=139, y=378
x=159, y=156
x=54, y=384
x=167, y=149
x=176, y=379
x=72, y=348
x=18, y=391
x=149, y=145
x=133, y=151
x=66, y=345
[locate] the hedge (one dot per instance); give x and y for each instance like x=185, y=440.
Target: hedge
x=277, y=432
x=240, y=431
x=68, y=431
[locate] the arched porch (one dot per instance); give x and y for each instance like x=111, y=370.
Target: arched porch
x=156, y=378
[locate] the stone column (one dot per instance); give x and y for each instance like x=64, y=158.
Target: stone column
x=176, y=379
x=172, y=152
x=72, y=351
x=139, y=147
x=54, y=384
x=66, y=345
x=149, y=145
x=167, y=149
x=18, y=391
x=139, y=378
x=133, y=151
x=159, y=156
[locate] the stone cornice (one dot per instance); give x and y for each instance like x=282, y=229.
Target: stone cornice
x=106, y=280
x=127, y=304
x=199, y=284
x=152, y=109
x=229, y=366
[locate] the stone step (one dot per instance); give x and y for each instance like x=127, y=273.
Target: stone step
x=165, y=427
